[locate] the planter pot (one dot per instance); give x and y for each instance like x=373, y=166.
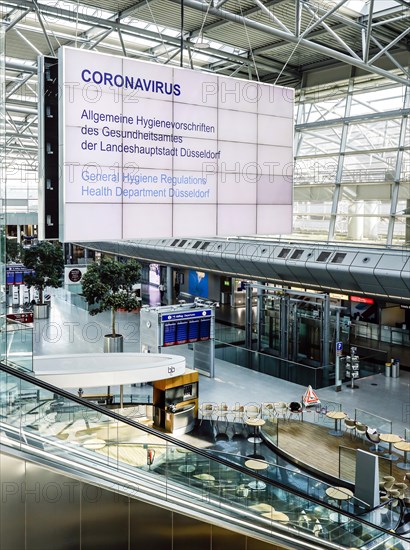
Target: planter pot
x=41, y=311
x=113, y=344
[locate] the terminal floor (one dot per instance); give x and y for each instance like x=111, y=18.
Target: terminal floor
x=72, y=330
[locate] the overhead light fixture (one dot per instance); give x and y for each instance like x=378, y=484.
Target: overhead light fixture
x=202, y=44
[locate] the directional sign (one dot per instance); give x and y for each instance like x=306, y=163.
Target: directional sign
x=186, y=315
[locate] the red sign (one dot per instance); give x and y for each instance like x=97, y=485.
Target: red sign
x=361, y=299
x=21, y=317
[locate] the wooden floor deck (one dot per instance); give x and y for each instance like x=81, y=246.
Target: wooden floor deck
x=312, y=444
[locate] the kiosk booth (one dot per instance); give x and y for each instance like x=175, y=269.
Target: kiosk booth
x=176, y=403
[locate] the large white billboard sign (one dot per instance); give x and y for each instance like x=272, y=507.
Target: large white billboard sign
x=154, y=151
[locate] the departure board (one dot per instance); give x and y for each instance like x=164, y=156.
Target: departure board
x=182, y=332
x=205, y=329
x=170, y=330
x=186, y=326
x=193, y=330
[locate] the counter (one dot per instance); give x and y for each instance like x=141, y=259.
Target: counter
x=181, y=421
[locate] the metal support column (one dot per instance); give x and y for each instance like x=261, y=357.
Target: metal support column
x=294, y=319
x=341, y=158
x=169, y=286
x=325, y=330
x=397, y=171
x=248, y=316
x=338, y=382
x=284, y=326
x=260, y=315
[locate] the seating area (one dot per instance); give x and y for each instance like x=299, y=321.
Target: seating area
x=237, y=413
x=292, y=427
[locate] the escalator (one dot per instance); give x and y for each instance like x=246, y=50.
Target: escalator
x=49, y=427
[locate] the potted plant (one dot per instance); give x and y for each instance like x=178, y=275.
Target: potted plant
x=14, y=250
x=46, y=259
x=108, y=285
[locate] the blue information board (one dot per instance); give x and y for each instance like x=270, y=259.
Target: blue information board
x=186, y=326
x=170, y=330
x=182, y=332
x=205, y=329
x=193, y=330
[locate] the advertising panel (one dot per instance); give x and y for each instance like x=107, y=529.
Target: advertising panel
x=73, y=275
x=154, y=274
x=149, y=150
x=198, y=283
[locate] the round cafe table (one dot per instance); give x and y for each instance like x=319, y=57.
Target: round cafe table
x=94, y=444
x=255, y=423
x=340, y=494
x=257, y=465
x=405, y=447
x=337, y=416
x=276, y=516
x=390, y=439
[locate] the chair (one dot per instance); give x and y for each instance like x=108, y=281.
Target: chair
x=388, y=482
x=295, y=408
x=402, y=487
x=251, y=411
x=281, y=408
x=242, y=491
x=350, y=425
x=361, y=429
x=207, y=411
x=268, y=411
x=374, y=438
x=222, y=412
x=238, y=412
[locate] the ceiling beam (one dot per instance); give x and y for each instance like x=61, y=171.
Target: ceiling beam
x=303, y=42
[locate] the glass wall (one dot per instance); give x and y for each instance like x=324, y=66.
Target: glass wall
x=352, y=175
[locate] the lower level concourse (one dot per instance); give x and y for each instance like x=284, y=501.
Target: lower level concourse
x=310, y=451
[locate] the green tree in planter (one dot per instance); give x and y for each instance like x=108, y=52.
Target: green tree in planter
x=14, y=250
x=46, y=259
x=108, y=286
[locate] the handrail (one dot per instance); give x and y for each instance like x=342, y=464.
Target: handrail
x=176, y=442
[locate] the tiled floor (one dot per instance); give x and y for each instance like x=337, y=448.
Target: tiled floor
x=72, y=330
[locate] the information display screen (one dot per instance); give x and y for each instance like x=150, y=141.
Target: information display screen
x=205, y=329
x=182, y=332
x=10, y=277
x=193, y=330
x=164, y=151
x=170, y=332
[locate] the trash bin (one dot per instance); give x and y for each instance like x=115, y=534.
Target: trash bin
x=395, y=369
x=387, y=369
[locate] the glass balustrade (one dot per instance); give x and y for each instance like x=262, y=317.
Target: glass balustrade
x=17, y=341
x=260, y=496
